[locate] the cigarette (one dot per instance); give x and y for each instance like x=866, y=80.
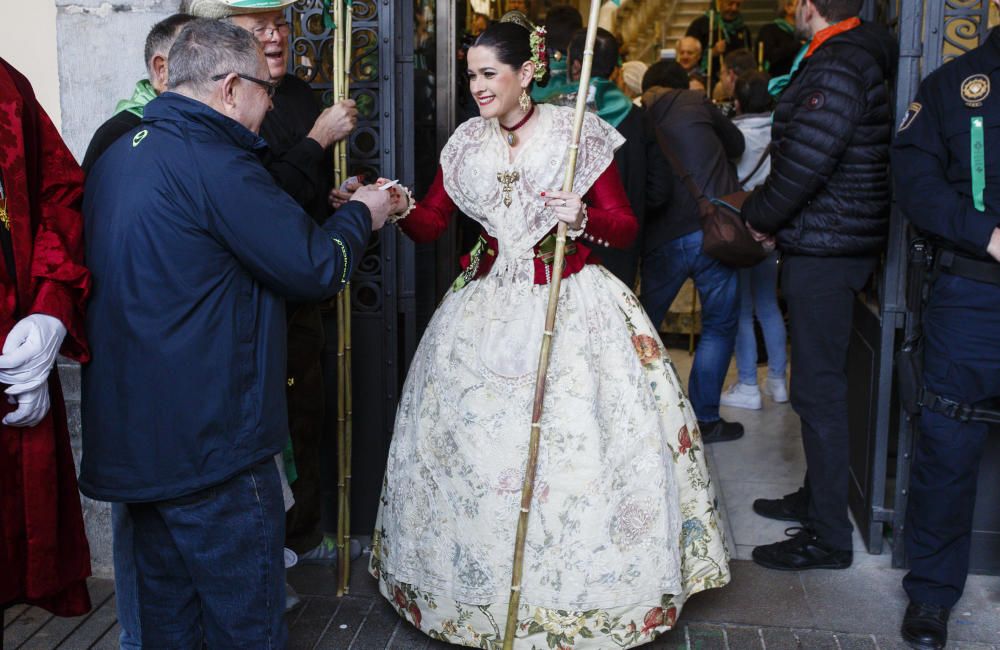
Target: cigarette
x=389, y=184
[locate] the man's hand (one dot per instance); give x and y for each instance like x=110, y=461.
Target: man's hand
x=719, y=47
x=341, y=195
x=335, y=123
x=400, y=200
x=993, y=248
x=32, y=405
x=378, y=202
x=767, y=241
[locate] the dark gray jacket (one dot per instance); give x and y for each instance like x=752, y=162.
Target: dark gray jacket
x=705, y=141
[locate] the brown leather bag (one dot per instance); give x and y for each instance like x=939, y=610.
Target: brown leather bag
x=725, y=233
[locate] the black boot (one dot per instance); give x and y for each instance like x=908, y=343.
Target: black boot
x=925, y=627
x=720, y=431
x=803, y=551
x=791, y=507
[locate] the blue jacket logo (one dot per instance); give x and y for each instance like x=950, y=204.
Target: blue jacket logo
x=139, y=137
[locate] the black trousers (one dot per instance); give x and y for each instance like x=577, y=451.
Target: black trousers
x=820, y=292
x=962, y=363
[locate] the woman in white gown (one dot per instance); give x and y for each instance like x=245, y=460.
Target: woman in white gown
x=624, y=524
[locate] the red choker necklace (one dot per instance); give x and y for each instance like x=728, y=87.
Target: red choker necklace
x=511, y=138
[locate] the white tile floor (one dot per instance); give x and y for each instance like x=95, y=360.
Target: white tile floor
x=767, y=461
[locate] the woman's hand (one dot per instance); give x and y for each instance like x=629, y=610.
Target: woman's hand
x=567, y=206
x=400, y=200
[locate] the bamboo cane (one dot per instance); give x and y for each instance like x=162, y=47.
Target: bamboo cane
x=531, y=467
x=711, y=52
x=343, y=344
x=760, y=57
x=345, y=559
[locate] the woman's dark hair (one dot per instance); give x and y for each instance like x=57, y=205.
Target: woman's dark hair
x=668, y=74
x=605, y=51
x=751, y=93
x=560, y=24
x=511, y=44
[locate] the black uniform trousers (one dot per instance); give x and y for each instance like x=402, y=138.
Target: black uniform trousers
x=961, y=363
x=821, y=292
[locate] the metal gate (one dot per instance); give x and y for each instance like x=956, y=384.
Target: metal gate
x=930, y=32
x=382, y=287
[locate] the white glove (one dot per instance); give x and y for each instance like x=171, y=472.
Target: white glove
x=30, y=351
x=32, y=405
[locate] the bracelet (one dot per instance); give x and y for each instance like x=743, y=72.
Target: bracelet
x=583, y=224
x=393, y=218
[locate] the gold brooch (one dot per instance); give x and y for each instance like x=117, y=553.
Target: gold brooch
x=507, y=179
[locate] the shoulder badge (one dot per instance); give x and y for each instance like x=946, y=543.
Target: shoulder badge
x=911, y=115
x=975, y=89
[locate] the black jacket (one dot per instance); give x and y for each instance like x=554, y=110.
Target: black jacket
x=115, y=127
x=828, y=191
x=646, y=178
x=705, y=141
x=780, y=48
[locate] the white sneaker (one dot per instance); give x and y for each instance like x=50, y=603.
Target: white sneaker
x=775, y=387
x=741, y=396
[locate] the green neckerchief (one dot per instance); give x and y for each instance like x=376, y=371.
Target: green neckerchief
x=777, y=85
x=142, y=95
x=730, y=29
x=785, y=26
x=559, y=83
x=612, y=104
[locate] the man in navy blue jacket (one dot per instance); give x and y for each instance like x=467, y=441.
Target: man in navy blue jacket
x=194, y=250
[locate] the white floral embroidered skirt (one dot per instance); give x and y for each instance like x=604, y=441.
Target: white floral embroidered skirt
x=624, y=525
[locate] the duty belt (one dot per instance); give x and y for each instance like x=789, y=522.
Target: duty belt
x=956, y=410
x=953, y=263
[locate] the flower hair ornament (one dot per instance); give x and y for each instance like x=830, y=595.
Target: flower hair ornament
x=539, y=55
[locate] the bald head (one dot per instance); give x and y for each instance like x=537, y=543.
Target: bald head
x=688, y=52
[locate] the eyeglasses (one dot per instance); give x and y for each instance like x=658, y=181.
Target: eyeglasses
x=269, y=31
x=269, y=86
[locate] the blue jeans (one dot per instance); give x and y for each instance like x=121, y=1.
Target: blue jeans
x=126, y=589
x=209, y=566
x=759, y=293
x=664, y=270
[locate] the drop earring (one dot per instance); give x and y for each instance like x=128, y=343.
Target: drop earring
x=524, y=101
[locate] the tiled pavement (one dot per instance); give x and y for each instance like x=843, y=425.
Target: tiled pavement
x=858, y=609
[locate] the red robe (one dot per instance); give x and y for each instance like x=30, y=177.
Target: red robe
x=44, y=556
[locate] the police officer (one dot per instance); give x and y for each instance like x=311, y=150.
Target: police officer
x=946, y=162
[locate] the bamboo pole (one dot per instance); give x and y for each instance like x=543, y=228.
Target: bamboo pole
x=345, y=81
x=711, y=51
x=531, y=467
x=344, y=407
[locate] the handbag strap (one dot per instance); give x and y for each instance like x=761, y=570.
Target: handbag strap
x=679, y=169
x=760, y=163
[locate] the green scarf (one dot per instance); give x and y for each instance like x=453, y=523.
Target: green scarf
x=612, y=104
x=142, y=95
x=778, y=84
x=730, y=30
x=559, y=83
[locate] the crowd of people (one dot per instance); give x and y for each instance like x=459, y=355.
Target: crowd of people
x=189, y=267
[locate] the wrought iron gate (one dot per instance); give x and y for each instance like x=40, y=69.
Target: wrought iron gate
x=382, y=287
x=930, y=33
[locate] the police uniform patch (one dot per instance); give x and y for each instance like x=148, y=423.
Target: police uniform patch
x=975, y=89
x=911, y=115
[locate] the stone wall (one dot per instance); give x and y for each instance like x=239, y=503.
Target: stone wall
x=100, y=47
